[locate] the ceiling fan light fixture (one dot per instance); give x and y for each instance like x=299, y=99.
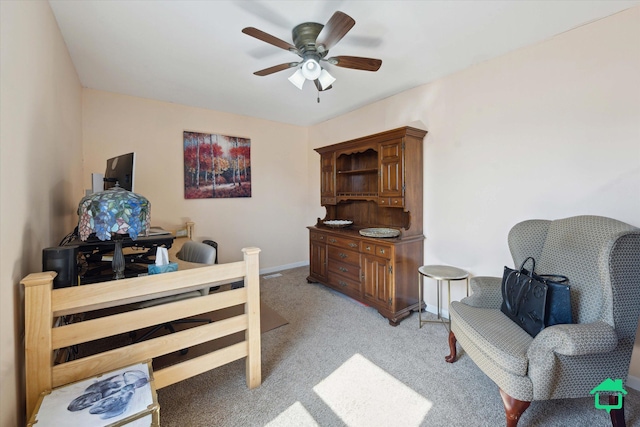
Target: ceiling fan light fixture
x=311, y=69
x=326, y=79
x=297, y=78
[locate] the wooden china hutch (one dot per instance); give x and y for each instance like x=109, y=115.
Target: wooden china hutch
x=375, y=182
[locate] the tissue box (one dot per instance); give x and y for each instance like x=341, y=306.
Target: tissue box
x=157, y=269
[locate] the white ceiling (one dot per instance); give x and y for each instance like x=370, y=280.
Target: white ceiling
x=194, y=53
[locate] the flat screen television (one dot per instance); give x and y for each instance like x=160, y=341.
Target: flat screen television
x=121, y=170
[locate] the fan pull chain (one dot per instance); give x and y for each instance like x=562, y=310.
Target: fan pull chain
x=318, y=97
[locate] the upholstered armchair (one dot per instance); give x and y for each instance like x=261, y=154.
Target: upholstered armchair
x=601, y=257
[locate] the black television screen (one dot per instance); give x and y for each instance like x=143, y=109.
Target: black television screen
x=120, y=169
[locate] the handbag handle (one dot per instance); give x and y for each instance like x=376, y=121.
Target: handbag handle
x=557, y=278
x=533, y=265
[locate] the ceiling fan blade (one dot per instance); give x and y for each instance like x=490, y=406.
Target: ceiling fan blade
x=268, y=38
x=339, y=24
x=319, y=86
x=276, y=68
x=356, y=62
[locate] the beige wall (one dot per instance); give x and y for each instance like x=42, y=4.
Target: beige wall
x=548, y=131
x=40, y=172
x=273, y=218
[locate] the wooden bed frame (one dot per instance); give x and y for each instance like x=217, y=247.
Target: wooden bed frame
x=44, y=305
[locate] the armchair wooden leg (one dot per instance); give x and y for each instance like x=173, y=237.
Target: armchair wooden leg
x=513, y=408
x=617, y=415
x=452, y=348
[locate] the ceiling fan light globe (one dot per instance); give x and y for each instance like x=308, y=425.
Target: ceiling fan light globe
x=311, y=69
x=297, y=79
x=326, y=79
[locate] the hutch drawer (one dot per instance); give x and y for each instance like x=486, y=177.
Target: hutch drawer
x=343, y=242
x=391, y=201
x=349, y=271
x=344, y=284
x=344, y=255
x=317, y=237
x=383, y=251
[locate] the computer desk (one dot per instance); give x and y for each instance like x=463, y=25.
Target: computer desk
x=138, y=254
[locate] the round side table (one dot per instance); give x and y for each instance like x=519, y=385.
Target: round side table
x=439, y=273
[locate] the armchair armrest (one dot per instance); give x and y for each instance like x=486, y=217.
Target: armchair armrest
x=584, y=341
x=486, y=292
x=574, y=340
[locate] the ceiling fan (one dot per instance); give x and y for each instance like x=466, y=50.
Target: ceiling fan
x=311, y=42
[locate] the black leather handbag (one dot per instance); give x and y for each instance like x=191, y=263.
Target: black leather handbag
x=535, y=301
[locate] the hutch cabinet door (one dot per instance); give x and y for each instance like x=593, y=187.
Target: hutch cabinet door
x=318, y=259
x=377, y=281
x=391, y=172
x=318, y=256
x=328, y=179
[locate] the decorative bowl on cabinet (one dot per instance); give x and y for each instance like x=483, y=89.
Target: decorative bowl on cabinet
x=380, y=232
x=338, y=223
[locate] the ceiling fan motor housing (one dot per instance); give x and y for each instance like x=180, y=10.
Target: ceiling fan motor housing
x=304, y=38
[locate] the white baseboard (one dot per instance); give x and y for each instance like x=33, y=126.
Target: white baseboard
x=283, y=267
x=633, y=382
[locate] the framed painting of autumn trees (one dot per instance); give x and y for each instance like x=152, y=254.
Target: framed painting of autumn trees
x=216, y=166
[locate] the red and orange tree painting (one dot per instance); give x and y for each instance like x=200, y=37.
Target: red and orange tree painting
x=216, y=166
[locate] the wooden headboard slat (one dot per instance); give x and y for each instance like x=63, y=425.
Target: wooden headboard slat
x=113, y=359
x=80, y=299
x=188, y=369
x=102, y=327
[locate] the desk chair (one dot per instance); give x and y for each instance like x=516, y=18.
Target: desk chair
x=203, y=253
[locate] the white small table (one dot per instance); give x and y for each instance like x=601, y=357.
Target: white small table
x=439, y=273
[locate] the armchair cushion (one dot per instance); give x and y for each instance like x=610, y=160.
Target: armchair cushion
x=502, y=340
x=486, y=292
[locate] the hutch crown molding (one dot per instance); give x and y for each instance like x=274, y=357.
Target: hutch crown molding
x=374, y=181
